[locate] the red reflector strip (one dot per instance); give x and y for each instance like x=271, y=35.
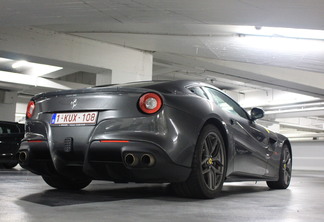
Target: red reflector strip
x=114, y=141
x=35, y=141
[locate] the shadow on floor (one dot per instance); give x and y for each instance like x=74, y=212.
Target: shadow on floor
x=98, y=194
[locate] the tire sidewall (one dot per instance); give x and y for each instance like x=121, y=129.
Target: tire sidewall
x=281, y=171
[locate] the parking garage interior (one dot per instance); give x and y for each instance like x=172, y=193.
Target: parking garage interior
x=263, y=54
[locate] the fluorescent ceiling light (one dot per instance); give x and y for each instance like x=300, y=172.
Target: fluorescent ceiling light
x=281, y=32
x=41, y=69
x=274, y=98
x=294, y=110
x=281, y=45
x=302, y=105
x=35, y=69
x=19, y=64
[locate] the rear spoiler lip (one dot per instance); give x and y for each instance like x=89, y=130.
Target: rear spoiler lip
x=110, y=89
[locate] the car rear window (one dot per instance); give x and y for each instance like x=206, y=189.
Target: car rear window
x=198, y=91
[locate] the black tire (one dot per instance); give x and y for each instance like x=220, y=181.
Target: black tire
x=63, y=183
x=10, y=165
x=208, y=166
x=284, y=170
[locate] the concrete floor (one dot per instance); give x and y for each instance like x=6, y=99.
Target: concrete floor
x=25, y=197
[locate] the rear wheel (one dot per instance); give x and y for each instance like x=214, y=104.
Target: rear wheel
x=10, y=165
x=284, y=170
x=208, y=166
x=63, y=183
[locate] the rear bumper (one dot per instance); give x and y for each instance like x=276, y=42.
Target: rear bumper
x=167, y=139
x=120, y=161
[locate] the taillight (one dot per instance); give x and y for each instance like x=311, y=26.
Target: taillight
x=114, y=141
x=30, y=109
x=150, y=103
x=35, y=141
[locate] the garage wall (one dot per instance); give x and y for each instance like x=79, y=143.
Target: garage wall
x=7, y=105
x=308, y=155
x=7, y=111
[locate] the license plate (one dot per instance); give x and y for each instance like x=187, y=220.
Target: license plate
x=86, y=118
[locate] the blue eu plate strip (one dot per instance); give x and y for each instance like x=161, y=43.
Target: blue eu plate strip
x=53, y=118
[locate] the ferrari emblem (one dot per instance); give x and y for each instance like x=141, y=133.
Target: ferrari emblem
x=74, y=103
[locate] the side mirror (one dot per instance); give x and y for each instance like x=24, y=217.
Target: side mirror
x=256, y=113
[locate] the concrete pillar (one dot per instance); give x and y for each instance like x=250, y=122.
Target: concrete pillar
x=142, y=71
x=8, y=102
x=103, y=78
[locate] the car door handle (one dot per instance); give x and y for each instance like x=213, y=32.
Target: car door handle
x=232, y=122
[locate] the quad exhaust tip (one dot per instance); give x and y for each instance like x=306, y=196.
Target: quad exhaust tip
x=147, y=160
x=22, y=156
x=137, y=160
x=131, y=159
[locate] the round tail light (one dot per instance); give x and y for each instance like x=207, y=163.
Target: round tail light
x=150, y=103
x=30, y=109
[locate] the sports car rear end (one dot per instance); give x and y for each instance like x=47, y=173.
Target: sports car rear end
x=107, y=133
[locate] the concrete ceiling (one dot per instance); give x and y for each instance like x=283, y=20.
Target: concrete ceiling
x=219, y=41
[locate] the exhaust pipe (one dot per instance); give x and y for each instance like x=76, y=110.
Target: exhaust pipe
x=22, y=156
x=147, y=160
x=131, y=160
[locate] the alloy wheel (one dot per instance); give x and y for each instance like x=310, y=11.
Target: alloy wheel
x=212, y=161
x=287, y=166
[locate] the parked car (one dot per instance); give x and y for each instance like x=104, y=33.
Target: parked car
x=186, y=133
x=11, y=134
